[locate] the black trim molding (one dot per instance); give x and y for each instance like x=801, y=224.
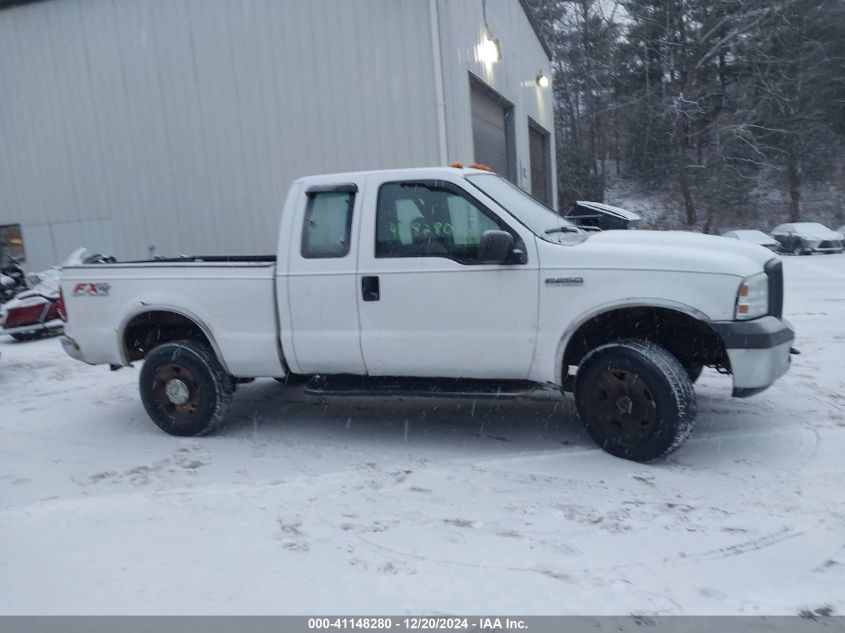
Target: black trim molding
x=346, y=187
x=762, y=333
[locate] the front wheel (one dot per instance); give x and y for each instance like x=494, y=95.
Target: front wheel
x=635, y=400
x=184, y=389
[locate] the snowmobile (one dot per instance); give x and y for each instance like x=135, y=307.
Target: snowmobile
x=37, y=310
x=34, y=312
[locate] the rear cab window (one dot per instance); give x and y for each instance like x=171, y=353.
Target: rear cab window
x=327, y=225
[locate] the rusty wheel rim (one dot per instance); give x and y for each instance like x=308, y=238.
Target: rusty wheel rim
x=622, y=407
x=176, y=391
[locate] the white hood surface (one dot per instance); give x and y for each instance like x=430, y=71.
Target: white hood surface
x=672, y=250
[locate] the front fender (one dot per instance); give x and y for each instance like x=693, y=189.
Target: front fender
x=646, y=302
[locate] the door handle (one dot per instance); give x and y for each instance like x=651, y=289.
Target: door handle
x=369, y=288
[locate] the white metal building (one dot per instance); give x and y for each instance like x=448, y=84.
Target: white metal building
x=179, y=124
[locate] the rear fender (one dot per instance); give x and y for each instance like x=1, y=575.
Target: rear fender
x=144, y=307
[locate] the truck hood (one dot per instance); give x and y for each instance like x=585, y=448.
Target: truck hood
x=674, y=251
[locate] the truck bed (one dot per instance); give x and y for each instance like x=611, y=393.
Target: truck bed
x=233, y=299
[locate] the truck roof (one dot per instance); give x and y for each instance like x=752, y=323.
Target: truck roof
x=409, y=172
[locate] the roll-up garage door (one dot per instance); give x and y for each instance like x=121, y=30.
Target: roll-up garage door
x=491, y=121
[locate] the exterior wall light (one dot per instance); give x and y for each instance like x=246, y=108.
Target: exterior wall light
x=489, y=50
x=542, y=81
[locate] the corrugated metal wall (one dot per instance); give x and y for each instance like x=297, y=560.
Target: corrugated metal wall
x=513, y=77
x=179, y=124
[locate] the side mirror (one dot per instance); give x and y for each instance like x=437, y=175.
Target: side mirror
x=495, y=247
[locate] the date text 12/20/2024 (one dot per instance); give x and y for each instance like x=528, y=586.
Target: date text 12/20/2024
x=418, y=623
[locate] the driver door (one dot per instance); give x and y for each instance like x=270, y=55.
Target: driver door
x=427, y=306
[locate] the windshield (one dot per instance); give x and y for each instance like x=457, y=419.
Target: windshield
x=541, y=220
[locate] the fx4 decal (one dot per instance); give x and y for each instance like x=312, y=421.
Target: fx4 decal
x=91, y=289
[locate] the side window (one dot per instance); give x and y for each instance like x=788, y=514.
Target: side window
x=468, y=224
x=432, y=219
x=328, y=223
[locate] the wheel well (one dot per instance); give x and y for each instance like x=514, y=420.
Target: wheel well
x=689, y=339
x=148, y=330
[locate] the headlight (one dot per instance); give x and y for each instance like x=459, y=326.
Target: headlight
x=752, y=298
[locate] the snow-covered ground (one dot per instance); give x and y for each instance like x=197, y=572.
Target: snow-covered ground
x=356, y=506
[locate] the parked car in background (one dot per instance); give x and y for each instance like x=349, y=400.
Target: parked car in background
x=596, y=215
x=805, y=238
x=755, y=237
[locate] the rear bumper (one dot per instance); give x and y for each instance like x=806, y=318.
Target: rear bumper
x=759, y=352
x=72, y=349
x=825, y=246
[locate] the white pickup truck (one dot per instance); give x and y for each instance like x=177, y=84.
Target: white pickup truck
x=435, y=282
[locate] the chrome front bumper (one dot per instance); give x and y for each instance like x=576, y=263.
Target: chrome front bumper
x=759, y=352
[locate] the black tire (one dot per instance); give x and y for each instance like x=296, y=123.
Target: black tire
x=694, y=369
x=198, y=405
x=653, y=386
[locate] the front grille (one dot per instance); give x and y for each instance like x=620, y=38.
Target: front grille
x=830, y=244
x=774, y=269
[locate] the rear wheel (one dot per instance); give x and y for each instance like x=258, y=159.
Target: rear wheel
x=184, y=389
x=635, y=400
